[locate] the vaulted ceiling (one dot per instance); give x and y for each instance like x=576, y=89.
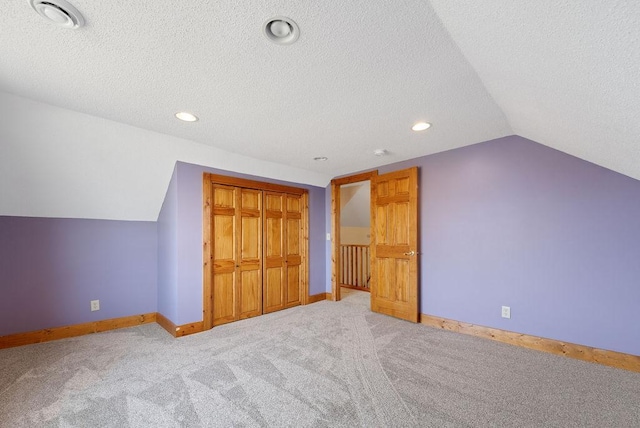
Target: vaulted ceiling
x=82, y=105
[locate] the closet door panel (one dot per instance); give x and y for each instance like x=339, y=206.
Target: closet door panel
x=224, y=242
x=250, y=290
x=254, y=248
x=250, y=258
x=293, y=286
x=224, y=309
x=224, y=254
x=274, y=236
x=293, y=253
x=293, y=236
x=274, y=286
x=273, y=289
x=250, y=248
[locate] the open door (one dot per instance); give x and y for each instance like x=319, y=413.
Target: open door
x=394, y=252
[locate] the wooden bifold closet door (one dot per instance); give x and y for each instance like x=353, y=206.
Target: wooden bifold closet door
x=237, y=250
x=257, y=257
x=282, y=251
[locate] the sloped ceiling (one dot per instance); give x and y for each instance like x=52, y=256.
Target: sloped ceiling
x=565, y=73
x=561, y=73
x=354, y=204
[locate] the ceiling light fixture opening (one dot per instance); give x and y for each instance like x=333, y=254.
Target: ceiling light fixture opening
x=380, y=152
x=321, y=159
x=421, y=126
x=281, y=30
x=59, y=12
x=186, y=116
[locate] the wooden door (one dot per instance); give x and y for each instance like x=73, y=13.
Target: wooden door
x=224, y=254
x=394, y=270
x=237, y=253
x=255, y=248
x=293, y=251
x=274, y=252
x=283, y=257
x=250, y=254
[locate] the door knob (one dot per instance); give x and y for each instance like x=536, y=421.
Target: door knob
x=410, y=253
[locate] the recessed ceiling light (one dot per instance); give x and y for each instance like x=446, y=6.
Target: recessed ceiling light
x=320, y=158
x=380, y=152
x=186, y=116
x=60, y=12
x=421, y=126
x=281, y=30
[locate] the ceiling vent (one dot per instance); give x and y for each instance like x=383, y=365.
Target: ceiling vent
x=60, y=12
x=281, y=30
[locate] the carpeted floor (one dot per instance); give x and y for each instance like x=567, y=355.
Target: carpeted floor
x=325, y=364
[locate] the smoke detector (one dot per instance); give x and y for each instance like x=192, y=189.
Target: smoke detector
x=60, y=12
x=281, y=30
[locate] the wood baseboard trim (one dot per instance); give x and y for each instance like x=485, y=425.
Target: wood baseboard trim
x=179, y=330
x=49, y=334
x=580, y=352
x=353, y=287
x=319, y=297
x=165, y=323
x=191, y=328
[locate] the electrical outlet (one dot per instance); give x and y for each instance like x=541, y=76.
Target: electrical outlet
x=328, y=237
x=95, y=305
x=506, y=312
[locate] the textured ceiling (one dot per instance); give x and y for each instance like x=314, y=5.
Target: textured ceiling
x=565, y=73
x=354, y=204
x=562, y=73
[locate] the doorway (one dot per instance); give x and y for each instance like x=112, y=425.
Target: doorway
x=355, y=236
x=340, y=247
x=393, y=249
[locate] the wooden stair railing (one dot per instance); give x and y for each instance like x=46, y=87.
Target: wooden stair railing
x=355, y=266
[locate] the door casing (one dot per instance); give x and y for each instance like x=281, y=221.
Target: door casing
x=335, y=228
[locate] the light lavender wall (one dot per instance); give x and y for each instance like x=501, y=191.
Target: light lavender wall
x=511, y=222
x=50, y=269
x=505, y=222
x=327, y=247
x=317, y=240
x=167, y=251
x=189, y=238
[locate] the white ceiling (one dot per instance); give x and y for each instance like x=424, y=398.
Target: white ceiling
x=354, y=204
x=563, y=73
x=56, y=162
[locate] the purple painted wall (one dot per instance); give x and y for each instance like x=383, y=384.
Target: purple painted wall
x=167, y=251
x=189, y=238
x=327, y=248
x=50, y=269
x=505, y=222
x=317, y=240
x=511, y=222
